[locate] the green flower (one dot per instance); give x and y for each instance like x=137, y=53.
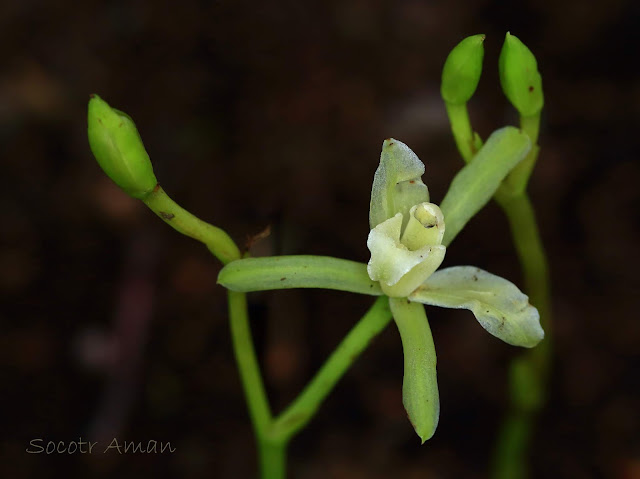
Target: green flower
x=406, y=249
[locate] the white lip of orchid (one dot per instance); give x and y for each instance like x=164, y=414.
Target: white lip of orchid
x=402, y=260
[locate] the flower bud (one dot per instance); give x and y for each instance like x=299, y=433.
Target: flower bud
x=519, y=77
x=117, y=146
x=461, y=72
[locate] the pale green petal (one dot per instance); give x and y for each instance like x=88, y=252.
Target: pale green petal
x=397, y=184
x=498, y=305
x=419, y=385
x=433, y=257
x=475, y=184
x=398, y=269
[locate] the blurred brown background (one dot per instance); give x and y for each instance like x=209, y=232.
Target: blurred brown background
x=273, y=113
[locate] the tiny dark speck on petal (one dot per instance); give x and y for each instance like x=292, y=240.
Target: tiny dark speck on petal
x=530, y=88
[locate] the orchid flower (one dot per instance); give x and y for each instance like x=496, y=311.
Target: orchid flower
x=408, y=242
x=405, y=241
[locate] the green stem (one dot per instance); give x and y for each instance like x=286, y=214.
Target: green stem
x=512, y=444
x=531, y=126
x=530, y=251
x=302, y=409
x=273, y=458
x=510, y=457
x=461, y=129
x=217, y=240
x=248, y=364
x=516, y=181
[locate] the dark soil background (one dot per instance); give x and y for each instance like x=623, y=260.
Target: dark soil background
x=273, y=113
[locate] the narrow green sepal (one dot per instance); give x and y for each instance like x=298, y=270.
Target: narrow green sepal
x=519, y=77
x=297, y=271
x=117, y=146
x=475, y=184
x=462, y=70
x=419, y=385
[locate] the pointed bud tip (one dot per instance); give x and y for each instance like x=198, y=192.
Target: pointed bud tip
x=426, y=436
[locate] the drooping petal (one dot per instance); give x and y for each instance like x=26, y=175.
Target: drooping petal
x=399, y=269
x=397, y=184
x=419, y=385
x=498, y=305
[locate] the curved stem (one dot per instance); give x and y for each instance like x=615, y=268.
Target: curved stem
x=248, y=364
x=461, y=129
x=216, y=239
x=302, y=409
x=516, y=181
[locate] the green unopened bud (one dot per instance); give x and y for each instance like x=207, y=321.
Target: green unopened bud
x=519, y=77
x=116, y=144
x=461, y=72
